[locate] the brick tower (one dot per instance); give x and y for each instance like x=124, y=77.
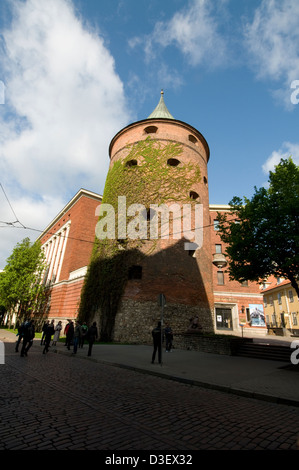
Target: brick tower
x=153, y=233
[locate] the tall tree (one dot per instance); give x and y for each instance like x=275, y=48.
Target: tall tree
x=21, y=289
x=262, y=234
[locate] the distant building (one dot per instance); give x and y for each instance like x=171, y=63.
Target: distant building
x=236, y=304
x=281, y=305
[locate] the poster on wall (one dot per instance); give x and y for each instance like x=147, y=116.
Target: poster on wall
x=257, y=316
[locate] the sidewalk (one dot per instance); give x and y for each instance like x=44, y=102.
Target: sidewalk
x=255, y=378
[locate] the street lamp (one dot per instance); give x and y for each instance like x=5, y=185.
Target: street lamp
x=219, y=260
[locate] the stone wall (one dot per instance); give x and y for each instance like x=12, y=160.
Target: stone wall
x=135, y=320
x=216, y=344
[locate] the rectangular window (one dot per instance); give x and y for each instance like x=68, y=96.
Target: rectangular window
x=135, y=272
x=291, y=297
x=279, y=298
x=218, y=249
x=220, y=278
x=265, y=301
x=294, y=318
x=216, y=224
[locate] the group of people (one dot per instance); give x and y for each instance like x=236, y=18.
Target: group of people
x=158, y=337
x=49, y=330
x=75, y=335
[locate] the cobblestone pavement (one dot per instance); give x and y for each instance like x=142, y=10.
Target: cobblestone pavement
x=59, y=402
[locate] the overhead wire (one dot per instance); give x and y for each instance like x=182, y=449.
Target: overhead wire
x=17, y=220
x=11, y=224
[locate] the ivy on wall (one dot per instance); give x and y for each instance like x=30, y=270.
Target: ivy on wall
x=144, y=177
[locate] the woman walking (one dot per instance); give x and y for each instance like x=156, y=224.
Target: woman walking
x=57, y=331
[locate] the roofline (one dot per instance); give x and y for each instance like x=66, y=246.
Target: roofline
x=219, y=207
x=67, y=207
x=170, y=121
x=282, y=284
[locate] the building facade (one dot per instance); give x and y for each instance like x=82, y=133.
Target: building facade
x=238, y=307
x=281, y=305
x=156, y=183
x=67, y=244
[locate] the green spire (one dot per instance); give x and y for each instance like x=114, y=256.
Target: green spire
x=161, y=111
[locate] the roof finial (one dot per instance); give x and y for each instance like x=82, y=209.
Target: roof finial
x=161, y=110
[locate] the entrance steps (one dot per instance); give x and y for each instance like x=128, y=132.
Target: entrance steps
x=273, y=352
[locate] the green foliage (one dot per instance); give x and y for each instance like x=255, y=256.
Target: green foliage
x=20, y=283
x=263, y=233
x=151, y=181
x=103, y=288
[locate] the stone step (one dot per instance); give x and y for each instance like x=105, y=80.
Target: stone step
x=263, y=351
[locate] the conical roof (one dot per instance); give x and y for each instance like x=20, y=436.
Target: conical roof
x=161, y=110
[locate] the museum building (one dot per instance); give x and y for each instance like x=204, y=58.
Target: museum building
x=167, y=161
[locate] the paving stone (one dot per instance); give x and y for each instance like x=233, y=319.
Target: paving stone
x=71, y=403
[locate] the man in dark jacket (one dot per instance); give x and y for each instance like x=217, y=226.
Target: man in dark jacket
x=28, y=336
x=49, y=333
x=92, y=335
x=44, y=329
x=168, y=337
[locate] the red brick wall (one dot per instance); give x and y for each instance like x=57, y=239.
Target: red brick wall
x=229, y=285
x=184, y=280
x=232, y=292
x=81, y=235
x=65, y=295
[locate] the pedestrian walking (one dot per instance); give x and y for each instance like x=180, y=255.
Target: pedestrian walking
x=157, y=340
x=66, y=328
x=20, y=335
x=69, y=335
x=28, y=336
x=48, y=336
x=92, y=336
x=77, y=336
x=44, y=328
x=168, y=337
x=84, y=330
x=57, y=331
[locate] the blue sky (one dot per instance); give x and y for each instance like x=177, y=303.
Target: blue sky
x=73, y=73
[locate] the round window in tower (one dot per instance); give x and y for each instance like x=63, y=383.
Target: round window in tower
x=173, y=162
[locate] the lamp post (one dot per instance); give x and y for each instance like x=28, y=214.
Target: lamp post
x=219, y=260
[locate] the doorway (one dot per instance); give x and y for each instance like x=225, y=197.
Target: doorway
x=224, y=319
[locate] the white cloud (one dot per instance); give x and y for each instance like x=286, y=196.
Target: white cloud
x=194, y=31
x=63, y=103
x=272, y=39
x=287, y=150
